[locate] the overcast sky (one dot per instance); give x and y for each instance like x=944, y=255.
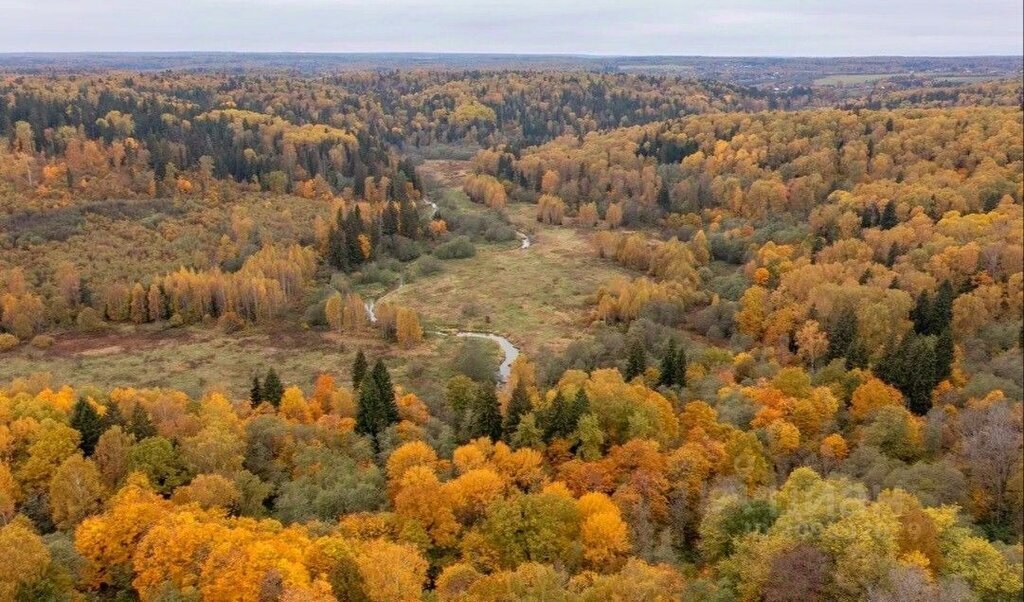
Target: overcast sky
x=633, y=27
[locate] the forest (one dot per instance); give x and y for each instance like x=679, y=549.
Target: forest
x=473, y=332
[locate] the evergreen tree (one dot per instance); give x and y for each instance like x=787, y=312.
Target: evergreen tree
x=888, y=219
x=487, y=413
x=408, y=219
x=140, y=424
x=668, y=365
x=636, y=360
x=842, y=334
x=921, y=314
x=273, y=390
x=944, y=352
x=910, y=367
x=255, y=391
x=890, y=258
x=370, y=413
x=87, y=421
x=942, y=308
x=664, y=200
x=857, y=355
x=518, y=405
x=381, y=379
x=113, y=416
x=558, y=419
x=389, y=220
x=681, y=365
x=580, y=406
x=358, y=369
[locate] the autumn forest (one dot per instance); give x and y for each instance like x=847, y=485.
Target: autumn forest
x=538, y=331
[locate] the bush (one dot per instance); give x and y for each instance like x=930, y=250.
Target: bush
x=89, y=320
x=42, y=341
x=457, y=248
x=428, y=265
x=8, y=341
x=230, y=322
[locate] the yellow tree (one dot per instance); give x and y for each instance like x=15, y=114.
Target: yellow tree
x=75, y=492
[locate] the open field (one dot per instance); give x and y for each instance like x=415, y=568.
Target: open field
x=195, y=360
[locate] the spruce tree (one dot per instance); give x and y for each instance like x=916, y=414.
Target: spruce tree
x=910, y=367
x=681, y=364
x=921, y=314
x=87, y=421
x=358, y=369
x=558, y=420
x=370, y=419
x=487, y=413
x=942, y=309
x=888, y=219
x=668, y=365
x=140, y=424
x=518, y=405
x=255, y=391
x=842, y=334
x=381, y=379
x=636, y=360
x=944, y=352
x=273, y=390
x=113, y=416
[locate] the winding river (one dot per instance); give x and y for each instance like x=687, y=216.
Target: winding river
x=510, y=351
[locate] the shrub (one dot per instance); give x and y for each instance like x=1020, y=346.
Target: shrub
x=457, y=248
x=230, y=322
x=7, y=342
x=42, y=341
x=428, y=265
x=89, y=320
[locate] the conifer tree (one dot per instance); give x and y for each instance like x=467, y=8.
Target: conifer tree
x=255, y=391
x=273, y=390
x=358, y=369
x=381, y=379
x=636, y=360
x=140, y=424
x=941, y=314
x=113, y=416
x=370, y=415
x=681, y=365
x=668, y=365
x=518, y=405
x=87, y=421
x=487, y=413
x=888, y=219
x=944, y=352
x=842, y=334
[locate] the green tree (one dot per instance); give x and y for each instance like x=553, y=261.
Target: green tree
x=86, y=420
x=273, y=390
x=255, y=391
x=140, y=425
x=382, y=381
x=944, y=352
x=681, y=364
x=358, y=369
x=889, y=218
x=910, y=367
x=636, y=360
x=668, y=365
x=518, y=405
x=155, y=457
x=487, y=413
x=842, y=333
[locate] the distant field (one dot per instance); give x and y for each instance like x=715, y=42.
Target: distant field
x=855, y=78
x=867, y=78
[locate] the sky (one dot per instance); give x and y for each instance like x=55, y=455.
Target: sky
x=598, y=27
